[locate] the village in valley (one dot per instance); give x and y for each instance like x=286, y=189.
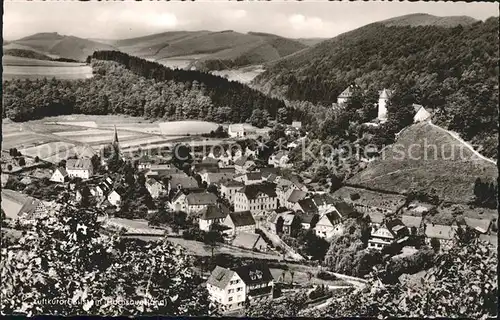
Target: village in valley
x=227, y=200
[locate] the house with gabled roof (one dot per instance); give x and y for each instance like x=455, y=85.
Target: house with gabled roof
x=115, y=197
x=250, y=241
x=445, y=234
x=155, y=188
x=228, y=189
x=239, y=221
x=182, y=181
x=390, y=231
x=479, y=225
x=210, y=215
x=345, y=95
x=243, y=164
x=284, y=223
x=215, y=178
x=329, y=225
x=198, y=201
x=280, y=160
x=307, y=221
x=18, y=205
x=421, y=114
x=294, y=197
x=412, y=221
x=79, y=168
x=60, y=175
x=231, y=288
x=249, y=177
x=307, y=206
x=256, y=198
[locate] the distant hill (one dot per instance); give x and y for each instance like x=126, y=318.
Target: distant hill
x=212, y=50
x=451, y=171
x=423, y=19
x=25, y=53
x=54, y=44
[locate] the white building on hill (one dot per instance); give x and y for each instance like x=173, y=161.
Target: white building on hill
x=81, y=168
x=384, y=97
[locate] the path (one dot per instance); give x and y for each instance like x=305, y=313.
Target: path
x=465, y=143
x=277, y=241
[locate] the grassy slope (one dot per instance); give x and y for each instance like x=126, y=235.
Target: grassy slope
x=451, y=171
x=422, y=19
x=8, y=60
x=62, y=46
x=226, y=45
x=24, y=53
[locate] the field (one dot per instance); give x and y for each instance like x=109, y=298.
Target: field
x=243, y=75
x=20, y=68
x=426, y=157
x=54, y=138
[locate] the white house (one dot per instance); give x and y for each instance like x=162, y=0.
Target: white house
x=194, y=202
x=229, y=188
x=420, y=113
x=242, y=164
x=384, y=97
x=240, y=221
x=115, y=197
x=210, y=215
x=231, y=288
x=389, y=232
x=345, y=95
x=256, y=198
x=60, y=175
x=81, y=168
x=330, y=224
x=280, y=160
x=249, y=178
x=155, y=188
x=240, y=130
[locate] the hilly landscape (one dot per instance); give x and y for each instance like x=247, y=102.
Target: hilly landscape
x=58, y=46
x=208, y=50
x=452, y=70
x=437, y=161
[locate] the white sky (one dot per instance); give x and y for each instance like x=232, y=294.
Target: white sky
x=291, y=19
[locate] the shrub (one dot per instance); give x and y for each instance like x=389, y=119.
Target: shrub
x=325, y=276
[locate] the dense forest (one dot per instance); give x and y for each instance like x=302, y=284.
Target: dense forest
x=453, y=71
x=128, y=85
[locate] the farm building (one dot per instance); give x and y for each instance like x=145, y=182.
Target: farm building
x=251, y=241
x=241, y=221
x=60, y=175
x=17, y=205
x=211, y=214
x=79, y=168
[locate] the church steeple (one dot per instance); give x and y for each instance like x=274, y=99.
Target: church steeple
x=115, y=139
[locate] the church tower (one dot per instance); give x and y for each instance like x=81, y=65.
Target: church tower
x=116, y=143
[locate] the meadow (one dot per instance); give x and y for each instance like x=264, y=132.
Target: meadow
x=55, y=138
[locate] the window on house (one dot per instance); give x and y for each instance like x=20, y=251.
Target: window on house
x=239, y=289
x=230, y=299
x=231, y=291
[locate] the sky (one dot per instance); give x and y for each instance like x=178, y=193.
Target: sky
x=306, y=19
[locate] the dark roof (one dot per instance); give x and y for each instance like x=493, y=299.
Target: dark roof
x=240, y=161
x=220, y=277
x=201, y=198
x=323, y=199
x=252, y=191
x=254, y=176
x=210, y=160
x=186, y=182
x=344, y=208
x=62, y=171
x=242, y=218
x=212, y=212
x=254, y=273
x=306, y=218
x=308, y=206
x=333, y=216
x=296, y=196
x=231, y=183
x=269, y=170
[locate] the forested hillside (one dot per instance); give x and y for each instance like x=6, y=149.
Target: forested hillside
x=128, y=85
x=453, y=71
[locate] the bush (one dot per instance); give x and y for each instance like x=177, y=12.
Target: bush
x=320, y=291
x=325, y=276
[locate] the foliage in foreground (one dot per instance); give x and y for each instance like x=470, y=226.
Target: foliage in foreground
x=63, y=257
x=462, y=283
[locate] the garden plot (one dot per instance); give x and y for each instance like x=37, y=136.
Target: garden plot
x=94, y=135
x=90, y=124
x=146, y=141
x=187, y=127
x=46, y=150
x=24, y=140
